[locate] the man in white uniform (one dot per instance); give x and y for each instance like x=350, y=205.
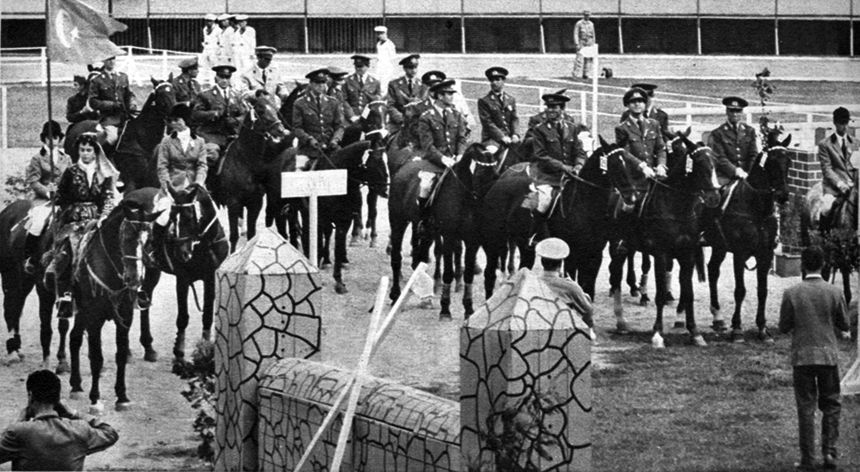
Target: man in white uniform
x=244, y=44
x=209, y=56
x=386, y=60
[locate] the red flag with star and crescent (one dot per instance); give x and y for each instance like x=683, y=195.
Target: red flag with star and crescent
x=78, y=33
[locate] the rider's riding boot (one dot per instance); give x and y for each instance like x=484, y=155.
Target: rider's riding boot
x=538, y=229
x=31, y=247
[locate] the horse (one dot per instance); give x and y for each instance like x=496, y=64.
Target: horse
x=133, y=153
x=106, y=279
x=454, y=214
x=246, y=172
x=666, y=226
x=17, y=284
x=745, y=225
x=191, y=246
x=286, y=110
x=579, y=215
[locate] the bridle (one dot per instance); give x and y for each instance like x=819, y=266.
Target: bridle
x=266, y=129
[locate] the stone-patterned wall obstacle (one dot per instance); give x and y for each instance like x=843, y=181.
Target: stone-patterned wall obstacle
x=525, y=364
x=269, y=308
x=396, y=428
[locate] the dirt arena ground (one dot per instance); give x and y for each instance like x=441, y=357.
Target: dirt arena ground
x=725, y=407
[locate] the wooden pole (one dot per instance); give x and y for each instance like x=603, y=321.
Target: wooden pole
x=314, y=221
x=3, y=103
x=594, y=73
x=583, y=108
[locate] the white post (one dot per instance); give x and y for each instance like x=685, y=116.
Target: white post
x=313, y=238
x=5, y=137
x=583, y=107
x=689, y=120
x=749, y=118
x=541, y=92
x=43, y=63
x=164, y=66
x=594, y=74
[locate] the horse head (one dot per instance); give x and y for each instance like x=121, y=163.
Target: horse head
x=374, y=163
x=263, y=118
x=286, y=111
x=162, y=99
x=192, y=215
x=770, y=169
x=481, y=164
x=691, y=168
x=134, y=229
x=609, y=163
x=375, y=116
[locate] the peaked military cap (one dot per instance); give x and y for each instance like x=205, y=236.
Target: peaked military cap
x=241, y=17
x=649, y=88
x=496, y=72
x=224, y=16
x=210, y=17
x=226, y=67
x=635, y=94
x=443, y=86
x=189, y=63
x=552, y=248
x=337, y=73
x=360, y=60
x=735, y=103
x=410, y=60
x=318, y=76
x=555, y=99
x=841, y=116
x=381, y=29
x=433, y=76
x=265, y=51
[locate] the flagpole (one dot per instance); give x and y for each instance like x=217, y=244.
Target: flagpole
x=50, y=107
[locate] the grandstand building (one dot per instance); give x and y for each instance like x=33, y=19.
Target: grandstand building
x=737, y=27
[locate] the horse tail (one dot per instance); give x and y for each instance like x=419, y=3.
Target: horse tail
x=700, y=264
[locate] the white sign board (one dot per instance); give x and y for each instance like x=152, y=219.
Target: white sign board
x=589, y=51
x=313, y=183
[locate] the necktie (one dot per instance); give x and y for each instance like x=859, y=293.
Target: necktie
x=844, y=147
x=410, y=88
x=264, y=76
x=361, y=81
x=559, y=128
x=642, y=126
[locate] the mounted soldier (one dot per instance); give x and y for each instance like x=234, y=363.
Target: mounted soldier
x=498, y=113
x=77, y=106
x=406, y=90
x=735, y=143
x=361, y=88
x=414, y=110
x=337, y=78
x=218, y=111
x=641, y=136
x=442, y=134
x=110, y=95
x=652, y=110
x=186, y=85
x=264, y=76
x=317, y=118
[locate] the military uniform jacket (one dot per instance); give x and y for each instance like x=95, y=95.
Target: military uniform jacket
x=442, y=134
x=647, y=147
x=74, y=109
x=409, y=131
x=187, y=88
x=110, y=95
x=657, y=114
x=400, y=95
x=218, y=111
x=321, y=120
x=359, y=94
x=269, y=79
x=559, y=141
x=173, y=162
x=39, y=174
x=583, y=33
x=835, y=164
x=733, y=148
x=498, y=114
x=338, y=94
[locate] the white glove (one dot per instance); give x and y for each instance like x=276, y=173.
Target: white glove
x=354, y=118
x=506, y=139
x=740, y=173
x=648, y=171
x=448, y=161
x=661, y=171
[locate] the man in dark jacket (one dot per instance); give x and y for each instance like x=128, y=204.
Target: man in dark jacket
x=110, y=95
x=77, y=106
x=317, y=118
x=498, y=113
x=734, y=142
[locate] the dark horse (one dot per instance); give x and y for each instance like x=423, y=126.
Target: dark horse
x=133, y=152
x=666, y=227
x=580, y=214
x=17, y=284
x=246, y=173
x=191, y=246
x=106, y=278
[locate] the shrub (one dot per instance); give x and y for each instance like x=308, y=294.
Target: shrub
x=200, y=373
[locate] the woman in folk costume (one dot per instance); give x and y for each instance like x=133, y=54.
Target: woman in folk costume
x=85, y=194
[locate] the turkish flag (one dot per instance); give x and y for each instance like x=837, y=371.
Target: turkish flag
x=77, y=33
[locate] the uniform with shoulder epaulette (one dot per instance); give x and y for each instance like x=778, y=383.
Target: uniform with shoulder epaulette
x=186, y=88
x=317, y=119
x=559, y=141
x=361, y=91
x=110, y=95
x=498, y=114
x=217, y=115
x=645, y=145
x=402, y=92
x=442, y=133
x=657, y=114
x=733, y=148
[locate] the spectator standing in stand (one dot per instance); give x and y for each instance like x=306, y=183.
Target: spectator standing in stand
x=583, y=36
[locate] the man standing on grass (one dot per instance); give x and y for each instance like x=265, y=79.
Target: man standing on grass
x=583, y=36
x=812, y=311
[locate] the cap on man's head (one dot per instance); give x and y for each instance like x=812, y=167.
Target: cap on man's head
x=79, y=79
x=360, y=60
x=735, y=103
x=241, y=17
x=446, y=85
x=554, y=99
x=210, y=17
x=433, y=77
x=496, y=72
x=649, y=88
x=841, y=116
x=265, y=51
x=635, y=95
x=337, y=73
x=410, y=60
x=319, y=76
x=189, y=63
x=224, y=16
x=381, y=29
x=552, y=248
x=224, y=68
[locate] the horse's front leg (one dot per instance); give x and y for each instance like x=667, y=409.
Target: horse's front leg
x=123, y=323
x=762, y=263
x=15, y=290
x=457, y=257
x=150, y=281
x=182, y=286
x=448, y=248
x=685, y=275
x=208, y=304
x=659, y=297
x=739, y=262
x=469, y=278
x=397, y=230
x=340, y=231
x=46, y=331
x=372, y=200
x=718, y=255
x=253, y=213
x=616, y=269
x=234, y=213
x=76, y=339
x=94, y=341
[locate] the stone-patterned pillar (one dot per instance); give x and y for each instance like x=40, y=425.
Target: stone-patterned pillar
x=525, y=364
x=269, y=307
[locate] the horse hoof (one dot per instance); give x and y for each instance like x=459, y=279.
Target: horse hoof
x=425, y=304
x=340, y=288
x=129, y=358
x=387, y=250
x=622, y=328
x=657, y=341
x=458, y=286
x=62, y=367
x=699, y=341
x=719, y=326
x=445, y=317
x=354, y=241
x=13, y=357
x=669, y=297
x=765, y=336
x=151, y=355
x=737, y=336
x=372, y=241
x=325, y=265
x=123, y=406
x=634, y=292
x=97, y=408
x=79, y=395
x=207, y=335
x=644, y=300
x=680, y=325
x=45, y=364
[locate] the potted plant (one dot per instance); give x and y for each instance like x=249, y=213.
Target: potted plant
x=787, y=257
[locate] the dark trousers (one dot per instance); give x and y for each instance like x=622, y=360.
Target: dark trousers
x=817, y=384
